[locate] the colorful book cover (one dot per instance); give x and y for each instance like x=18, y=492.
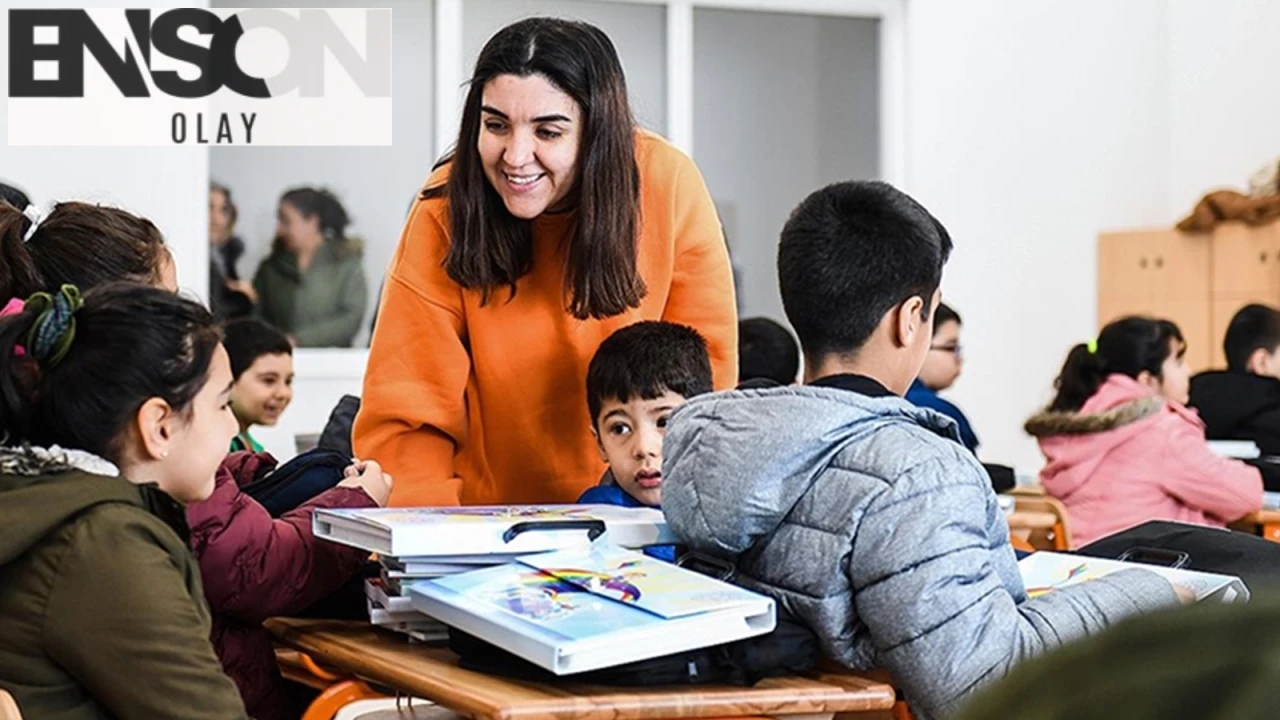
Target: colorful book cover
x=575, y=595
x=1045, y=572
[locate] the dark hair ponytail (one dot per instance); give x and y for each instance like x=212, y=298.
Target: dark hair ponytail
x=1127, y=346
x=126, y=344
x=18, y=274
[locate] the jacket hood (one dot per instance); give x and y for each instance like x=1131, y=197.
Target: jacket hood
x=735, y=463
x=1227, y=400
x=40, y=489
x=1076, y=443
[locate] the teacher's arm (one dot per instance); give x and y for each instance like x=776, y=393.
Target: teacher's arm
x=413, y=411
x=702, y=294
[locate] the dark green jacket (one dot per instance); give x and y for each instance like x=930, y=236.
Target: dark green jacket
x=323, y=307
x=1207, y=662
x=102, y=614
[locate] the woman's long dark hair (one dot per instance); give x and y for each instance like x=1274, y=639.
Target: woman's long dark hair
x=490, y=248
x=1127, y=347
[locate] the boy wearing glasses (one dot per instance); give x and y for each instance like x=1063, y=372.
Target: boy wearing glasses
x=942, y=367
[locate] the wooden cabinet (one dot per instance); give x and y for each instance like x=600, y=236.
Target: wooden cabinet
x=1197, y=280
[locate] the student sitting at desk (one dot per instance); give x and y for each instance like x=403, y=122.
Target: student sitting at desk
x=858, y=511
x=637, y=377
x=942, y=367
x=1243, y=401
x=1121, y=446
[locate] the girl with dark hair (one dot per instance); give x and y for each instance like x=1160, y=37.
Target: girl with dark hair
x=254, y=566
x=113, y=413
x=312, y=285
x=553, y=222
x=1121, y=445
x=83, y=245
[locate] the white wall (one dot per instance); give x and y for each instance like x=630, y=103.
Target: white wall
x=638, y=32
x=158, y=183
x=783, y=104
x=375, y=184
x=1224, y=110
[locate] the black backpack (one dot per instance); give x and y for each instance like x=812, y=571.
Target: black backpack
x=1195, y=547
x=298, y=480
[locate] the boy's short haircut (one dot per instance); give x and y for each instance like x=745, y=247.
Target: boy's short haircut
x=1254, y=327
x=943, y=315
x=850, y=252
x=645, y=360
x=766, y=349
x=248, y=339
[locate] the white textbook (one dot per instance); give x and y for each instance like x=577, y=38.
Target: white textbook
x=581, y=610
x=427, y=532
x=1044, y=572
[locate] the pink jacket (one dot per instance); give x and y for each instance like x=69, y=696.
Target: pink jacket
x=1128, y=456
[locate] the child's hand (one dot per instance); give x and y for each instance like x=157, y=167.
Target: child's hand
x=1186, y=595
x=368, y=476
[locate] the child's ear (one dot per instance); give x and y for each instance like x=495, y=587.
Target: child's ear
x=910, y=322
x=1259, y=362
x=155, y=424
x=595, y=435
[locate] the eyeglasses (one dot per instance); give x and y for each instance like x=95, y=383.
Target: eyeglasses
x=956, y=350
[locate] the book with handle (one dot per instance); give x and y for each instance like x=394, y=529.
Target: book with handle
x=453, y=532
x=1043, y=572
x=581, y=610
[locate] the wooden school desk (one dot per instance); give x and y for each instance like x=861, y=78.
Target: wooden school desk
x=1265, y=522
x=432, y=673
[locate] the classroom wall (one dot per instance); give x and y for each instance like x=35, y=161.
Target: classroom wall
x=783, y=104
x=158, y=183
x=1223, y=108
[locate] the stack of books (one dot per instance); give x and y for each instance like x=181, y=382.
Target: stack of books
x=417, y=545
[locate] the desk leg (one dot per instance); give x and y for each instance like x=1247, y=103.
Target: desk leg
x=338, y=696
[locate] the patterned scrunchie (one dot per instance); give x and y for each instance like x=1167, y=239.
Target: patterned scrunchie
x=54, y=330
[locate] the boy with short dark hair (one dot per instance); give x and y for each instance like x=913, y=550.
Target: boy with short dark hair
x=855, y=509
x=767, y=354
x=1243, y=401
x=637, y=377
x=262, y=365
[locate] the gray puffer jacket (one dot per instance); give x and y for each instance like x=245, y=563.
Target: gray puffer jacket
x=868, y=520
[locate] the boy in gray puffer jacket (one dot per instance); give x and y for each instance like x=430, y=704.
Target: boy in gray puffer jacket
x=862, y=514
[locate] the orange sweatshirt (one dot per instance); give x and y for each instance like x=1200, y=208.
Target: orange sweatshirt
x=487, y=405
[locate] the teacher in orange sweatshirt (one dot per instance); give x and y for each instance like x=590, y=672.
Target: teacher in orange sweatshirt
x=554, y=222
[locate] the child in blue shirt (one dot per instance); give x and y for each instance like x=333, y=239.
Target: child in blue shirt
x=638, y=375
x=942, y=367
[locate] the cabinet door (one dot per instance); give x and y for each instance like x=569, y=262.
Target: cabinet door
x=1124, y=265
x=1179, y=266
x=1246, y=261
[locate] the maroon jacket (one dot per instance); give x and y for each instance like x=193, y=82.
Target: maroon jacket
x=255, y=567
